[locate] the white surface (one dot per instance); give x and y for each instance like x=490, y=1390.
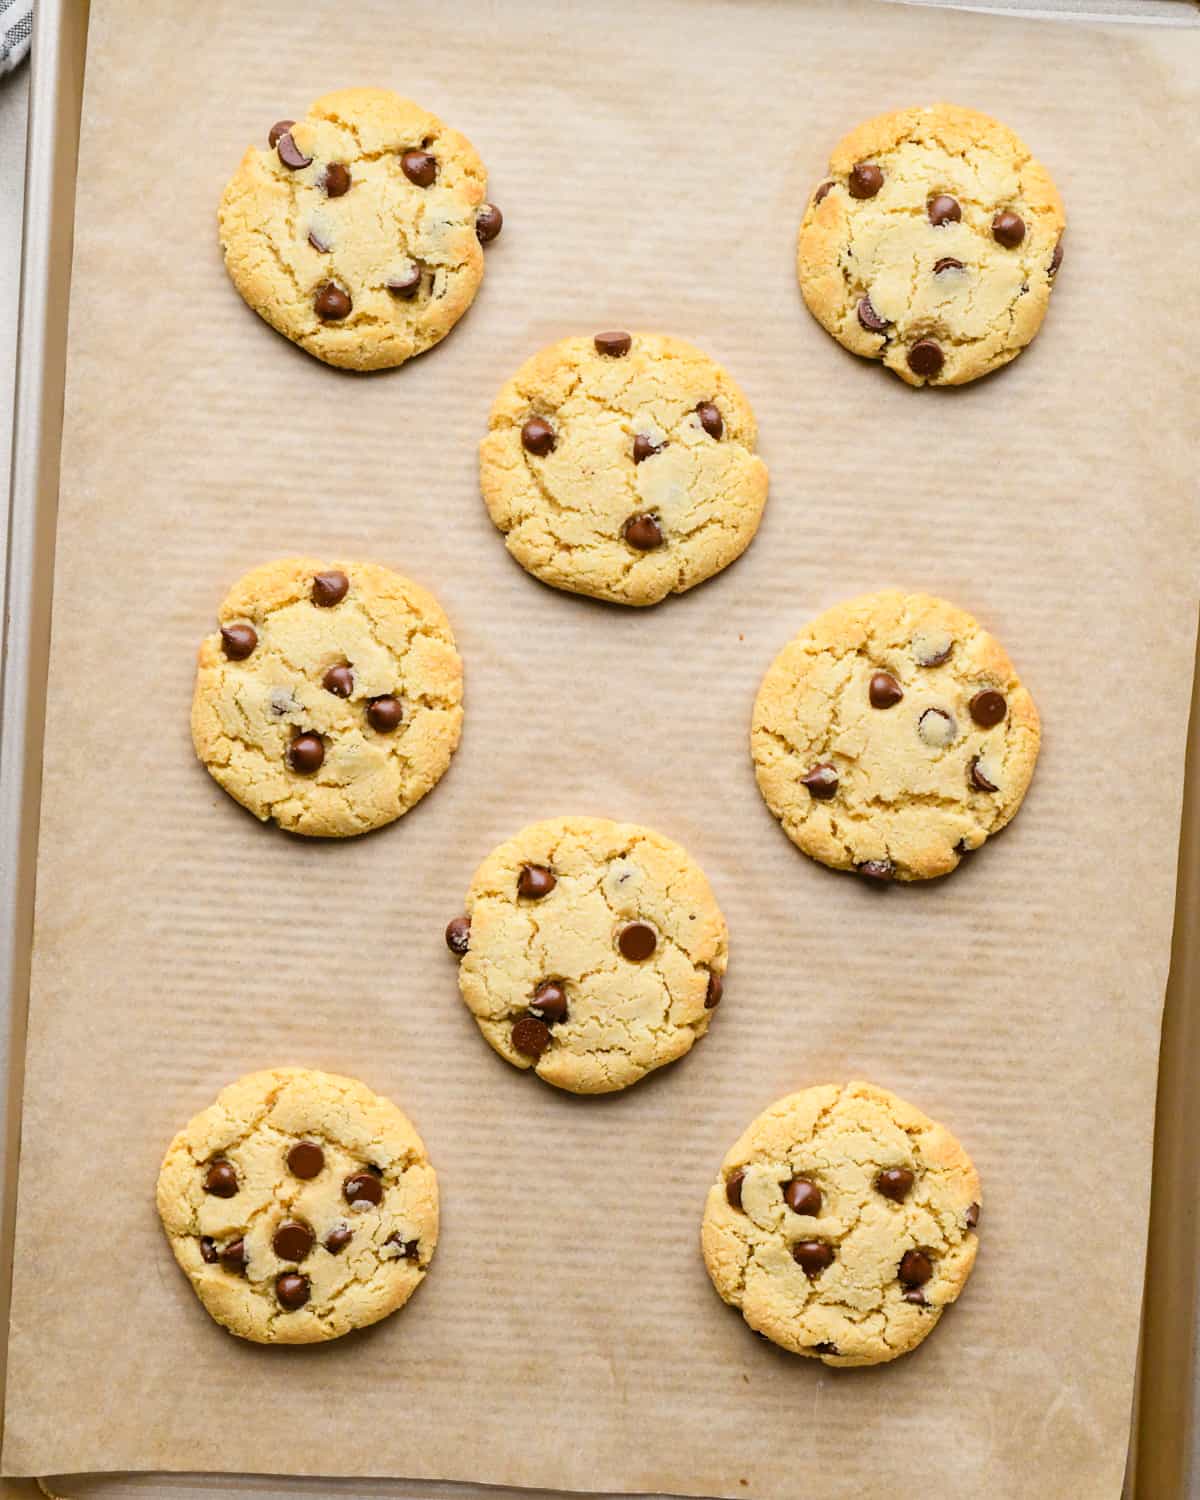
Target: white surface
x=14, y=101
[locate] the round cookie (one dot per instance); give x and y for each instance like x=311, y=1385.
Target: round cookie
x=357, y=231
x=892, y=736
x=932, y=244
x=842, y=1223
x=300, y=1205
x=330, y=697
x=623, y=466
x=592, y=952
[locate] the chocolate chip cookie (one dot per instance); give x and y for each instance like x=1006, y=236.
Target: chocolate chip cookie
x=932, y=244
x=330, y=696
x=357, y=231
x=623, y=466
x=591, y=952
x=300, y=1205
x=892, y=736
x=842, y=1224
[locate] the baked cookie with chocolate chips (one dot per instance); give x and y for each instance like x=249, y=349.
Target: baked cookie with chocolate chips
x=932, y=244
x=623, y=466
x=357, y=231
x=592, y=952
x=892, y=736
x=300, y=1205
x=330, y=696
x=842, y=1224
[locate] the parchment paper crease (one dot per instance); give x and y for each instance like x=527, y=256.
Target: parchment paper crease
x=652, y=164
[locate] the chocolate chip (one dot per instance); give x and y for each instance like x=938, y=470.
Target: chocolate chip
x=489, y=221
x=988, y=708
x=915, y=1268
x=329, y=588
x=409, y=1249
x=1056, y=259
x=943, y=209
x=280, y=127
x=221, y=1179
x=331, y=303
x=1008, y=229
x=865, y=180
x=936, y=727
x=458, y=935
x=637, y=941
x=233, y=1256
x=538, y=437
x=419, y=167
x=362, y=1187
x=711, y=419
x=336, y=180
x=405, y=284
x=305, y=1159
x=884, y=691
x=644, y=448
x=972, y=1216
x=716, y=988
x=932, y=648
x=292, y=1290
x=821, y=193
x=614, y=343
x=549, y=1002
x=825, y=1347
x=290, y=154
x=978, y=780
x=916, y=1297
x=869, y=318
x=925, y=358
x=803, y=1196
x=318, y=244
x=339, y=681
x=208, y=1250
x=733, y=1187
x=895, y=1183
x=292, y=1240
x=947, y=263
x=812, y=1256
x=535, y=881
x=879, y=871
x=306, y=754
x=821, y=781
x=337, y=1239
x=385, y=714
x=643, y=532
x=237, y=641
x=531, y=1037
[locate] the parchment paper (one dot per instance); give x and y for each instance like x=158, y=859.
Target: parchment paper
x=652, y=165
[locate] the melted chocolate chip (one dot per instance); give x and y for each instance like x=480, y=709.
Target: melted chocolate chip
x=869, y=318
x=714, y=992
x=644, y=448
x=221, y=1179
x=238, y=641
x=943, y=209
x=339, y=681
x=643, y=532
x=549, y=1002
x=988, y=708
x=290, y=154
x=419, y=167
x=535, y=881
x=280, y=127
x=978, y=780
x=329, y=588
x=306, y=754
x=408, y=1249
x=733, y=1187
x=208, y=1250
x=318, y=244
x=821, y=781
x=538, y=437
x=884, y=691
x=292, y=1240
x=489, y=221
x=405, y=284
x=1008, y=229
x=878, y=871
x=637, y=941
x=364, y=1188
x=1056, y=259
x=825, y=1347
x=458, y=935
x=711, y=419
x=947, y=263
x=895, y=1183
x=336, y=180
x=233, y=1256
x=531, y=1037
x=926, y=358
x=803, y=1196
x=865, y=180
x=821, y=193
x=812, y=1256
x=331, y=303
x=972, y=1216
x=291, y=1290
x=614, y=343
x=915, y=1268
x=916, y=1297
x=385, y=714
x=305, y=1159
x=337, y=1239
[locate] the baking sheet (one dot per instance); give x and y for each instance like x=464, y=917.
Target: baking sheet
x=567, y=1299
